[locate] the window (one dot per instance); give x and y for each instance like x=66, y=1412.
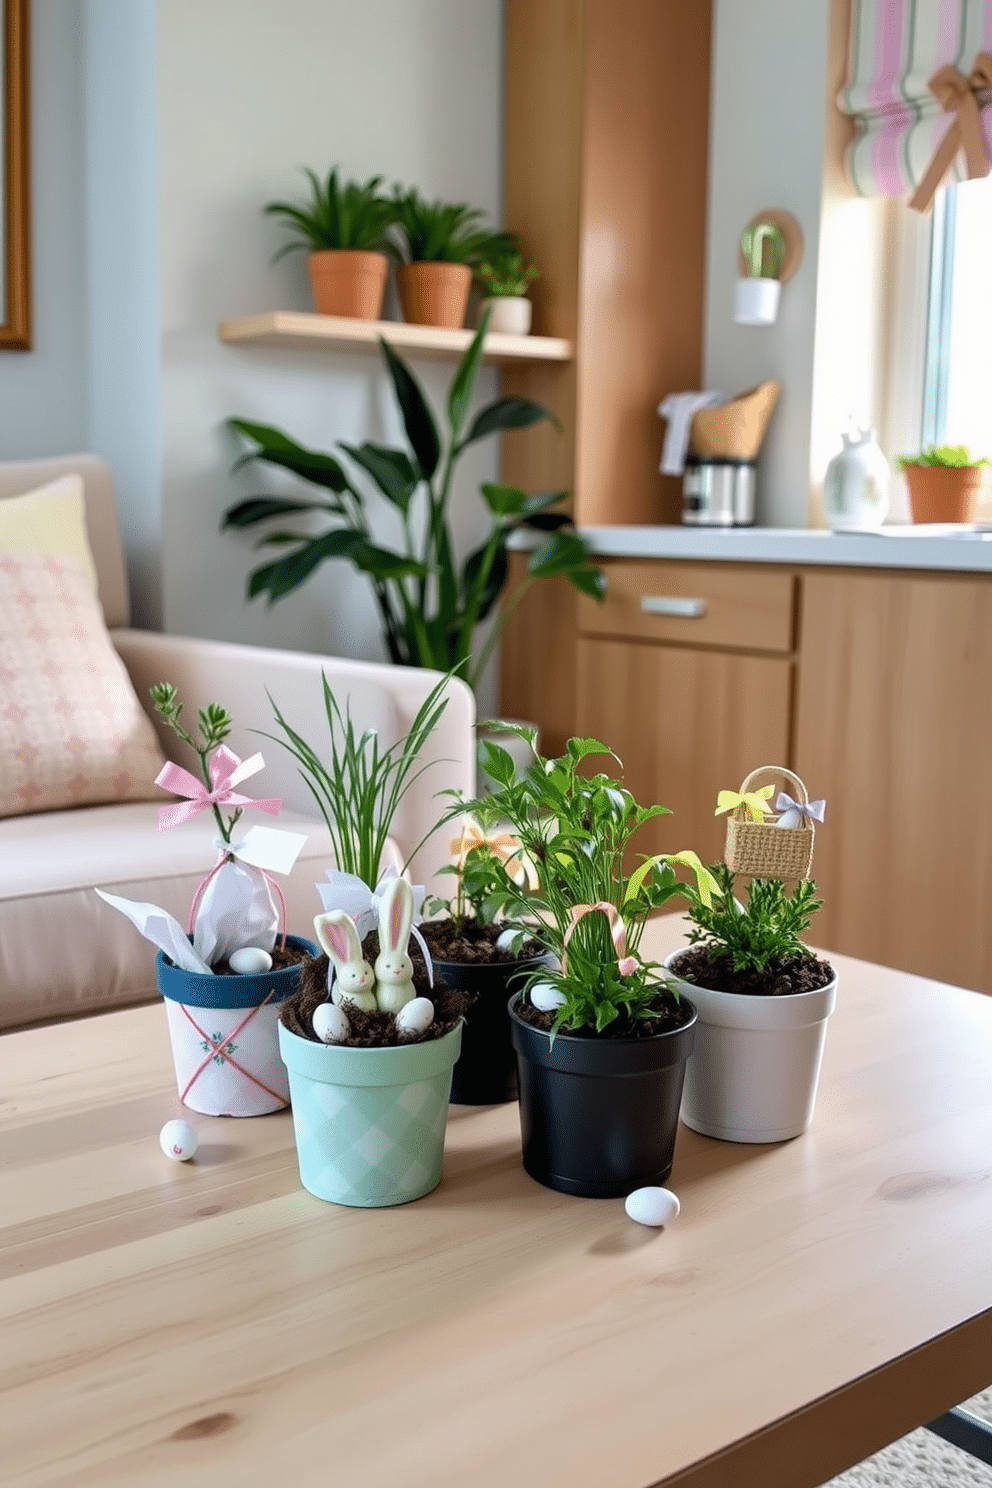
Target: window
x=957, y=388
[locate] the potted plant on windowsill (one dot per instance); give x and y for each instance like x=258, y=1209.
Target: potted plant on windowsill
x=763, y=997
x=431, y=606
x=503, y=281
x=945, y=483
x=224, y=977
x=439, y=245
x=601, y=1037
x=344, y=228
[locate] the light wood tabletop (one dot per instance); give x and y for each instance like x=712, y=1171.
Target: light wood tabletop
x=212, y=1323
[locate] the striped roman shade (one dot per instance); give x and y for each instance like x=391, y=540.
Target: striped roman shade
x=897, y=48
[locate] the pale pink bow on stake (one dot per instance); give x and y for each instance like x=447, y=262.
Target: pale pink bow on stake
x=626, y=965
x=503, y=845
x=226, y=771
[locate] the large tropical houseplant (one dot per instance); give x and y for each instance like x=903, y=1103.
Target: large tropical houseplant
x=430, y=604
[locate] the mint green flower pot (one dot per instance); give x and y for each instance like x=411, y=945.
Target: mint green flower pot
x=369, y=1123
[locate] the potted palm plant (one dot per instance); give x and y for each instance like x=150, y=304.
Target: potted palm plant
x=944, y=483
x=439, y=245
x=763, y=997
x=601, y=1037
x=344, y=228
x=431, y=606
x=503, y=282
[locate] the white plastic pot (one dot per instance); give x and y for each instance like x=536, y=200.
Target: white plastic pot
x=756, y=301
x=755, y=1066
x=511, y=314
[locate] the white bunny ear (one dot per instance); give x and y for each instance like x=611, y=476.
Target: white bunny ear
x=337, y=935
x=395, y=915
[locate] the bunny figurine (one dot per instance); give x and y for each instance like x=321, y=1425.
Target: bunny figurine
x=353, y=980
x=393, y=967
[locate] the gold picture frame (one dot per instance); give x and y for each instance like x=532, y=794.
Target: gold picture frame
x=15, y=278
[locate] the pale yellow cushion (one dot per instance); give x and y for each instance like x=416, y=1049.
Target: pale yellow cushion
x=49, y=520
x=72, y=732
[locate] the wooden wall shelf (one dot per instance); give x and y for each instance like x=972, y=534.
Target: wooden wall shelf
x=288, y=328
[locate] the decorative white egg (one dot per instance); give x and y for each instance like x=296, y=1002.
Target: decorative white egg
x=178, y=1140
x=250, y=961
x=415, y=1015
x=545, y=996
x=652, y=1206
x=330, y=1023
x=506, y=939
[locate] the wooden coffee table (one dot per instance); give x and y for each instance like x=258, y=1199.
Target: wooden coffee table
x=213, y=1324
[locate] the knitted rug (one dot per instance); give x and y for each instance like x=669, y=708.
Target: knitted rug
x=922, y=1460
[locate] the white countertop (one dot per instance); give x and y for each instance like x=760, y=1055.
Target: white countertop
x=962, y=548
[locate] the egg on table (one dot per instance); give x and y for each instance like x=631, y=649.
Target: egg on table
x=652, y=1206
x=178, y=1140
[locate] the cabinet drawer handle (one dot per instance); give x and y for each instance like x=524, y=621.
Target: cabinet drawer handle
x=673, y=604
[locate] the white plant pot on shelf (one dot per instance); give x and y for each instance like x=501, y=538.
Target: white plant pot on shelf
x=754, y=1069
x=511, y=314
x=756, y=301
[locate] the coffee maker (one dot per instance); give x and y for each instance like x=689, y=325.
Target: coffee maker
x=719, y=481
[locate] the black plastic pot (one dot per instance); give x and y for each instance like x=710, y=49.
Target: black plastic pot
x=486, y=1072
x=599, y=1116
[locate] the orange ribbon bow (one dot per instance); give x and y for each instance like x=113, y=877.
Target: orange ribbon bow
x=956, y=95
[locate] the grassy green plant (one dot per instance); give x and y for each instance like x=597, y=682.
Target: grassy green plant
x=576, y=829
x=214, y=724
x=755, y=935
x=505, y=275
x=955, y=455
x=338, y=215
x=430, y=606
x=444, y=232
x=487, y=868
x=357, y=784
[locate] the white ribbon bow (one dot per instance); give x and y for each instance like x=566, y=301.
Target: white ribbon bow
x=794, y=811
x=352, y=894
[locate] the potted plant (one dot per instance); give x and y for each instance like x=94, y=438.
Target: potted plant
x=430, y=605
x=601, y=1037
x=475, y=948
x=503, y=281
x=763, y=997
x=345, y=229
x=224, y=977
x=439, y=245
x=944, y=483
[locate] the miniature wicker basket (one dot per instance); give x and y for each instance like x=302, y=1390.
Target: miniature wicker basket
x=763, y=849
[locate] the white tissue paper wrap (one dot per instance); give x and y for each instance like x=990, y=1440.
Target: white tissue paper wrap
x=680, y=409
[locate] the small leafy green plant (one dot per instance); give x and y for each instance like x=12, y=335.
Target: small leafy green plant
x=507, y=275
x=954, y=455
x=756, y=935
x=357, y=784
x=430, y=605
x=351, y=215
x=588, y=910
x=487, y=868
x=444, y=232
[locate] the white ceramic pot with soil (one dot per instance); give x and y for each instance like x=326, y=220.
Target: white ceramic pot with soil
x=755, y=1066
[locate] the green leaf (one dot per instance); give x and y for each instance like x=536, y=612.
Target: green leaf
x=589, y=580
x=418, y=420
x=493, y=587
x=276, y=448
x=261, y=508
x=508, y=413
x=504, y=501
x=559, y=552
x=391, y=469
x=463, y=383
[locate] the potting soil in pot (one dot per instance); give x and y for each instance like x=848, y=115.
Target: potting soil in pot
x=792, y=973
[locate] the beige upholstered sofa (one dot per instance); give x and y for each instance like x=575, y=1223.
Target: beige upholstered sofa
x=63, y=951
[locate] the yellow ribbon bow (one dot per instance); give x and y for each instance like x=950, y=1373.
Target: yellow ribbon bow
x=956, y=95
x=503, y=845
x=755, y=803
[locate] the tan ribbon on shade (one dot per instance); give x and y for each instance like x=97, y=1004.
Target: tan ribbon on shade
x=956, y=95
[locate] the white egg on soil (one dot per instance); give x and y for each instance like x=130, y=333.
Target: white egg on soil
x=506, y=939
x=178, y=1140
x=250, y=961
x=545, y=996
x=330, y=1023
x=652, y=1206
x=415, y=1016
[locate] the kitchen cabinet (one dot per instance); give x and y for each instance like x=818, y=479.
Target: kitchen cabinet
x=893, y=728
x=686, y=671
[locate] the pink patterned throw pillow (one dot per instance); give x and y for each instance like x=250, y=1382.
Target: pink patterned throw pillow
x=72, y=732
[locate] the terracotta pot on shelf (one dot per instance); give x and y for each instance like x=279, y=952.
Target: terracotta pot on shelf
x=945, y=493
x=348, y=282
x=434, y=294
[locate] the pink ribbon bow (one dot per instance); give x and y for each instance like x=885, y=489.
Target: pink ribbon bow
x=626, y=965
x=226, y=771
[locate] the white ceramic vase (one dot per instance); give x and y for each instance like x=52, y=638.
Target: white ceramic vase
x=856, y=484
x=754, y=1070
